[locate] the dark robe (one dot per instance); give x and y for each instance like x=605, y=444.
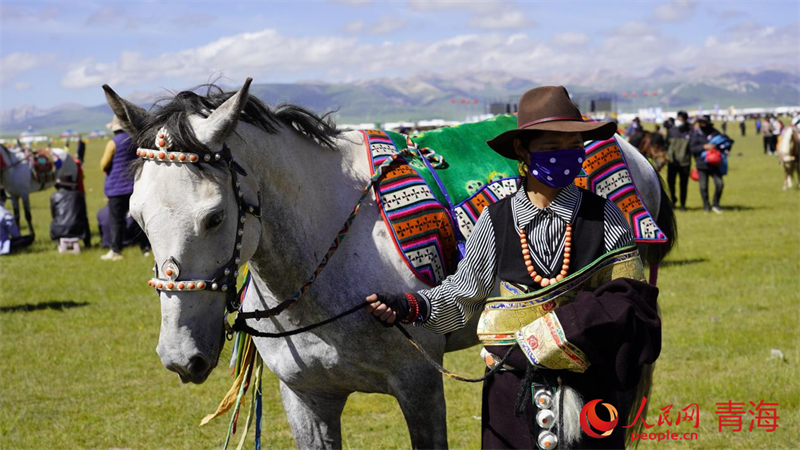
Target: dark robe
x=616, y=326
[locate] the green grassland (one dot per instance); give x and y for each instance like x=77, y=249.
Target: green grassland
x=78, y=367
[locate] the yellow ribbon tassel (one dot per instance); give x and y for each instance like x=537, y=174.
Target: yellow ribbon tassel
x=233, y=393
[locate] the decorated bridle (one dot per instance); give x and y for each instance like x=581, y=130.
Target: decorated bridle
x=223, y=279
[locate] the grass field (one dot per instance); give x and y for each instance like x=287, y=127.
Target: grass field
x=78, y=368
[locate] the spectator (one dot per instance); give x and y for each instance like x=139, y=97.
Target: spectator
x=10, y=238
x=699, y=144
x=669, y=123
x=679, y=159
x=131, y=234
x=776, y=127
x=766, y=132
x=758, y=125
x=725, y=126
x=68, y=209
x=742, y=126
x=118, y=185
x=81, y=149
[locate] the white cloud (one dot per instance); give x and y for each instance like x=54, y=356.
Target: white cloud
x=384, y=25
x=15, y=63
x=503, y=20
x=675, y=11
x=570, y=39
x=268, y=54
x=485, y=14
x=354, y=26
x=22, y=86
x=750, y=44
x=479, y=6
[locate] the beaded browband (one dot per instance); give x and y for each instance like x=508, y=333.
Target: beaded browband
x=224, y=278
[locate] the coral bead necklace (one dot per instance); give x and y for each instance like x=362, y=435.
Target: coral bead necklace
x=526, y=255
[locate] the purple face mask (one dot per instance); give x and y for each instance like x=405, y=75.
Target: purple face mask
x=557, y=168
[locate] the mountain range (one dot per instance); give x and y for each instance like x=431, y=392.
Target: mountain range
x=456, y=96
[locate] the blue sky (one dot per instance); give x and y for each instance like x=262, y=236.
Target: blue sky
x=56, y=52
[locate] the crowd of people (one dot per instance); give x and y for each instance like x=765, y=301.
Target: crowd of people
x=68, y=208
x=683, y=141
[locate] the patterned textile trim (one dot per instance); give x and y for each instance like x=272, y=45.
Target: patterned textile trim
x=503, y=316
x=422, y=228
x=468, y=211
x=607, y=175
x=545, y=345
x=44, y=167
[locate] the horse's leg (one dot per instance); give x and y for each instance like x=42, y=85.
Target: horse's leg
x=316, y=419
x=796, y=171
x=420, y=393
x=26, y=204
x=15, y=206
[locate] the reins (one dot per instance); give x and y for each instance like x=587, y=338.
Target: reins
x=11, y=164
x=224, y=280
x=267, y=313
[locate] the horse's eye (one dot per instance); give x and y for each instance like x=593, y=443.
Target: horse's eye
x=215, y=220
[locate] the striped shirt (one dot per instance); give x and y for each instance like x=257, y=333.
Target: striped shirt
x=463, y=293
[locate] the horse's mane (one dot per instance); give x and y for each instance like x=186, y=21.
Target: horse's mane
x=173, y=113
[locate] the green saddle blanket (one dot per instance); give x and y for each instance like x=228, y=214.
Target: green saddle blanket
x=442, y=180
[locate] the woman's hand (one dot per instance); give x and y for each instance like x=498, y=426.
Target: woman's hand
x=387, y=308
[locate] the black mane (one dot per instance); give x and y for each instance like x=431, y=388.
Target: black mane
x=173, y=113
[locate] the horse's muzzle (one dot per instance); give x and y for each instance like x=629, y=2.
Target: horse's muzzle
x=196, y=371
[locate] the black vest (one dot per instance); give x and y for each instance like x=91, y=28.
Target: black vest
x=588, y=240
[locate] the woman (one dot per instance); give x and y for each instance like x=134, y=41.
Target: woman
x=593, y=346
x=118, y=155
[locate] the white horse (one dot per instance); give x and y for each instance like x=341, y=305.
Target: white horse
x=16, y=179
x=788, y=151
x=306, y=177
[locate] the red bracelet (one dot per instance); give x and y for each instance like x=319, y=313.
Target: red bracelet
x=413, y=309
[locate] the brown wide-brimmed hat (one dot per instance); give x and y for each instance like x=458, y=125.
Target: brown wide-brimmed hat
x=548, y=108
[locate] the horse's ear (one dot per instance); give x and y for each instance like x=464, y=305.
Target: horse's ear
x=221, y=123
x=131, y=116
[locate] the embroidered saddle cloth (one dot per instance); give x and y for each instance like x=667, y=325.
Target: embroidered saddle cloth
x=44, y=165
x=433, y=193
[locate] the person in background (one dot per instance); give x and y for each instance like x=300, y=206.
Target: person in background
x=81, y=149
x=679, y=159
x=742, y=126
x=758, y=125
x=776, y=127
x=118, y=155
x=658, y=136
x=668, y=124
x=11, y=239
x=68, y=209
x=766, y=133
x=725, y=126
x=634, y=127
x=703, y=132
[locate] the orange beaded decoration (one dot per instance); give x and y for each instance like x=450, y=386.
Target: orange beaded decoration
x=526, y=255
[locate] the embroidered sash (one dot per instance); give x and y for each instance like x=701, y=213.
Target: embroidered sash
x=504, y=316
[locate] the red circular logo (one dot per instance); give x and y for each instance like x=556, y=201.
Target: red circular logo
x=590, y=420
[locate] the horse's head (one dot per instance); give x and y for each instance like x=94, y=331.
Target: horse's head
x=191, y=198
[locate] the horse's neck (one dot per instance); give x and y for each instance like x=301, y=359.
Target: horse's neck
x=307, y=192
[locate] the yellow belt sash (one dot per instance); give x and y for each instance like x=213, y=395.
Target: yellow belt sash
x=503, y=316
